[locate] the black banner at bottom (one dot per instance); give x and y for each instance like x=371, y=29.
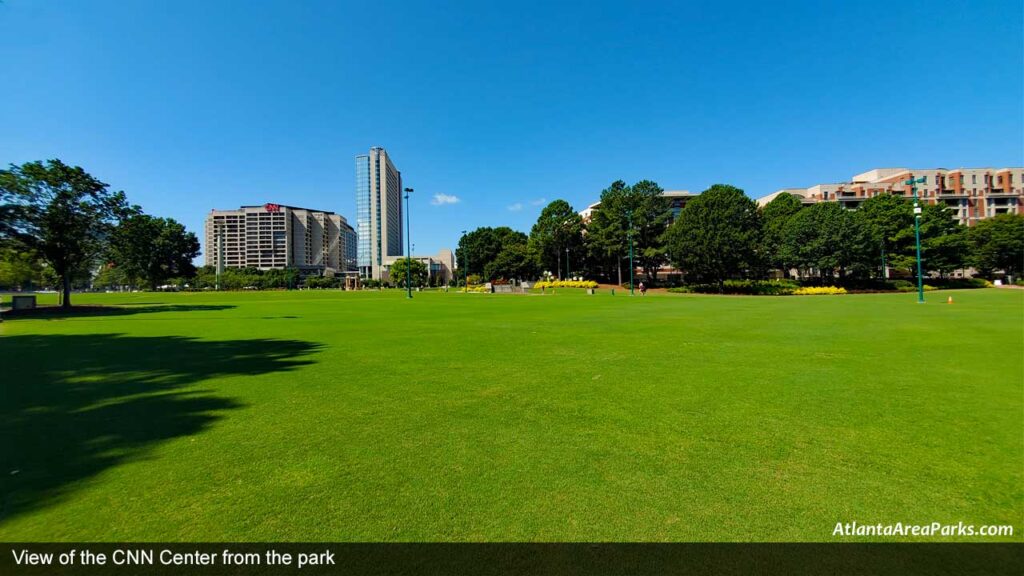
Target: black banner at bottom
x=526, y=559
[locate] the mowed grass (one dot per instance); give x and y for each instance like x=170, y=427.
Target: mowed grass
x=465, y=417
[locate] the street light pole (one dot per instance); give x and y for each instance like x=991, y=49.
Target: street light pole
x=465, y=259
x=408, y=244
x=568, y=271
x=629, y=215
x=917, y=235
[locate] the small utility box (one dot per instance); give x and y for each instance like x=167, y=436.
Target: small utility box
x=590, y=291
x=23, y=302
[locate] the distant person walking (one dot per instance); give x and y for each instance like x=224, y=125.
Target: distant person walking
x=643, y=289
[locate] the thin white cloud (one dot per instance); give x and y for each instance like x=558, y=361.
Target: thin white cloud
x=442, y=199
x=539, y=201
x=515, y=207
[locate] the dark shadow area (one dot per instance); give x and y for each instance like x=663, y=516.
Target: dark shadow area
x=72, y=406
x=47, y=312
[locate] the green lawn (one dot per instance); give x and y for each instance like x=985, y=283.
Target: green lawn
x=364, y=416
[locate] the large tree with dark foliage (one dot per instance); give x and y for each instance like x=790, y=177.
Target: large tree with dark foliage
x=153, y=249
x=62, y=212
x=997, y=243
x=888, y=222
x=557, y=234
x=774, y=217
x=609, y=232
x=716, y=235
x=943, y=240
x=483, y=245
x=825, y=238
x=516, y=261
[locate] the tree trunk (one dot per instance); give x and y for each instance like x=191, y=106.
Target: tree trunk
x=66, y=283
x=619, y=262
x=558, y=254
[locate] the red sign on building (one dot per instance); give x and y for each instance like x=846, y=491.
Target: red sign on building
x=272, y=207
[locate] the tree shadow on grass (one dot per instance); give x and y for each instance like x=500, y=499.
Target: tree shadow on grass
x=56, y=312
x=72, y=406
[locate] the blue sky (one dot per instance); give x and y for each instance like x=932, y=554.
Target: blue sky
x=191, y=105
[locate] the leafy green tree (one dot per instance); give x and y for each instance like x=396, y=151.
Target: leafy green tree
x=417, y=272
x=888, y=221
x=716, y=235
x=606, y=238
x=557, y=233
x=153, y=249
x=824, y=237
x=516, y=261
x=608, y=232
x=66, y=215
x=19, y=269
x=111, y=276
x=483, y=245
x=652, y=214
x=774, y=217
x=943, y=240
x=997, y=243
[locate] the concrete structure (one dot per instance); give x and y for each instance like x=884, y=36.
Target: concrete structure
x=972, y=194
x=379, y=224
x=440, y=267
x=278, y=236
x=677, y=201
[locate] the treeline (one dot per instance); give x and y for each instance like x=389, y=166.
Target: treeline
x=60, y=227
x=722, y=234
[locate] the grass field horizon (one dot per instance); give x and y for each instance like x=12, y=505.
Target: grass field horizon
x=340, y=416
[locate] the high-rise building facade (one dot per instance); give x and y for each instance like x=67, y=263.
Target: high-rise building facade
x=378, y=212
x=278, y=236
x=971, y=194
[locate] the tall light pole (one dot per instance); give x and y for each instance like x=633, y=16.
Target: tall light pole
x=465, y=259
x=629, y=215
x=568, y=271
x=917, y=234
x=408, y=245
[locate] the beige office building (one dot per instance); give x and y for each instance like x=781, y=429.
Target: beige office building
x=379, y=212
x=277, y=236
x=972, y=194
x=440, y=267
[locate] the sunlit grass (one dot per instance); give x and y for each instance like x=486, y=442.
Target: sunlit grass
x=364, y=416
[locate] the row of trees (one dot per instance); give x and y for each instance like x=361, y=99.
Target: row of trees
x=723, y=234
x=59, y=223
x=561, y=243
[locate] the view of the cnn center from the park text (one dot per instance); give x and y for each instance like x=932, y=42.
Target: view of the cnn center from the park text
x=511, y=288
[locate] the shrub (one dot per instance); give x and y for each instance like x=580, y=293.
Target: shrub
x=819, y=290
x=744, y=287
x=909, y=287
x=961, y=283
x=565, y=284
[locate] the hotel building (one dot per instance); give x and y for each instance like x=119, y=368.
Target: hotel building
x=278, y=236
x=971, y=194
x=378, y=212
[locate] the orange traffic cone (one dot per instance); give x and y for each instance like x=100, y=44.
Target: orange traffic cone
x=949, y=300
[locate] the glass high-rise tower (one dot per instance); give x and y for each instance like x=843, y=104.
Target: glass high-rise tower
x=378, y=211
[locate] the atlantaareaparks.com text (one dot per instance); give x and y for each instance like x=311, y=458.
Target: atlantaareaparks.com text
x=932, y=529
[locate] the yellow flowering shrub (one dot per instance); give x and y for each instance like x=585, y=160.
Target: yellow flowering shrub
x=818, y=290
x=565, y=284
